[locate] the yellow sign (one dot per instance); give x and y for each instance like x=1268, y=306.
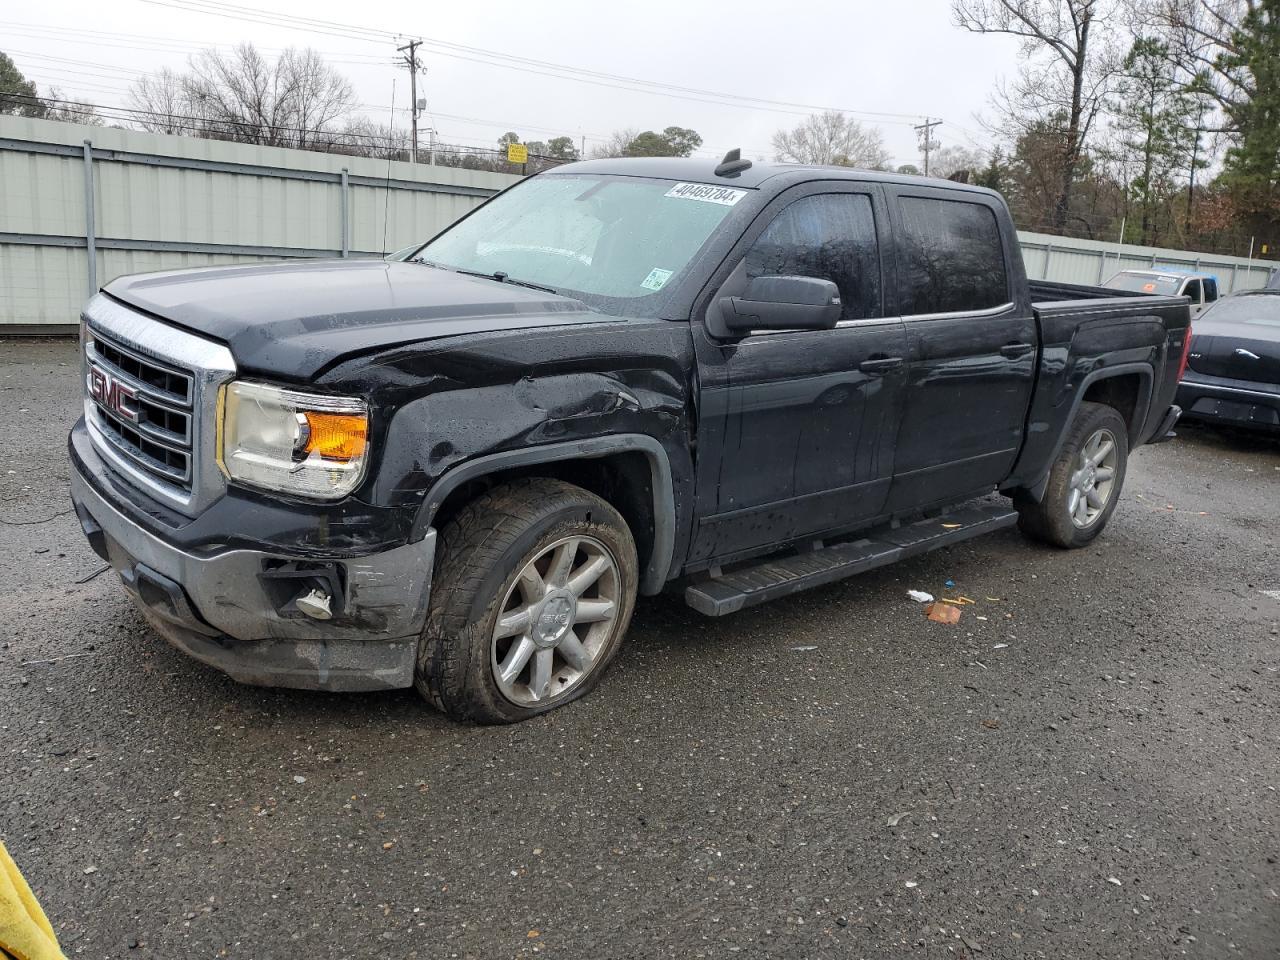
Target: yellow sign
x=517, y=153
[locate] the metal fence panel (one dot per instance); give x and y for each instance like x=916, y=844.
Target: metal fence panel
x=162, y=202
x=1068, y=260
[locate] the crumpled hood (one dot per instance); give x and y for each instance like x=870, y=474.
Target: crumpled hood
x=292, y=319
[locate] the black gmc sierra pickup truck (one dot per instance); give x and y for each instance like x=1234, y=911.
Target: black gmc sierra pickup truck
x=458, y=469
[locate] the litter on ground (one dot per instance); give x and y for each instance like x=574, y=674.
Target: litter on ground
x=943, y=613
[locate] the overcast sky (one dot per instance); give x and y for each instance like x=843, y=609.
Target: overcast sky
x=903, y=58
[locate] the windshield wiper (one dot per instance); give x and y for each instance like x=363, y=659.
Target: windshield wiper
x=503, y=277
x=498, y=275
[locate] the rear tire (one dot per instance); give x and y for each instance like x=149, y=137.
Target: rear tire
x=536, y=581
x=1084, y=481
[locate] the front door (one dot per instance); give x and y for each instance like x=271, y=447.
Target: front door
x=971, y=346
x=797, y=428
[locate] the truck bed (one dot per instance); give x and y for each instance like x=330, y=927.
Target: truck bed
x=1059, y=306
x=1051, y=291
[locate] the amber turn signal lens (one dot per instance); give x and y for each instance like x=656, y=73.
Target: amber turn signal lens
x=336, y=436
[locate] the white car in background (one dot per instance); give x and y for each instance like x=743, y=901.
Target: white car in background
x=1202, y=288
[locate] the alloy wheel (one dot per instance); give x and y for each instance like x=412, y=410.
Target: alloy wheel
x=1093, y=480
x=556, y=620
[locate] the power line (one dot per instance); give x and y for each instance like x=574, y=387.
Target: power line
x=40, y=75
x=524, y=64
x=67, y=35
x=466, y=53
x=205, y=125
x=119, y=91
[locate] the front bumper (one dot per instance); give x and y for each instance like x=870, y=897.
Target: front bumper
x=217, y=605
x=1242, y=406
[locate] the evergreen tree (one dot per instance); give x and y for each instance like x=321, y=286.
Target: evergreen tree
x=993, y=176
x=1155, y=120
x=1252, y=164
x=17, y=93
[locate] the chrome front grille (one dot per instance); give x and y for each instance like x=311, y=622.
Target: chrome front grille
x=151, y=423
x=151, y=396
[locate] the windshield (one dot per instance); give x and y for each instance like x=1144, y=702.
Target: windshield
x=1144, y=283
x=614, y=242
x=1261, y=309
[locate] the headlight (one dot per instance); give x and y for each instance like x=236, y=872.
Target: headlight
x=300, y=443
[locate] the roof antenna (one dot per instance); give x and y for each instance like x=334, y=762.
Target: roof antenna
x=386, y=199
x=732, y=164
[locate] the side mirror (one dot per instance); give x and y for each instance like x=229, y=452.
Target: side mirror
x=783, y=303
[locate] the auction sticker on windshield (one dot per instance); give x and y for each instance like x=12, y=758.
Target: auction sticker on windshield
x=657, y=279
x=706, y=193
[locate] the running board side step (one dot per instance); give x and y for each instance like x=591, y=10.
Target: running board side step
x=772, y=579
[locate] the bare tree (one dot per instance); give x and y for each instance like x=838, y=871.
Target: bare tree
x=1064, y=77
x=832, y=138
x=362, y=137
x=947, y=162
x=160, y=102
x=71, y=111
x=616, y=145
x=242, y=96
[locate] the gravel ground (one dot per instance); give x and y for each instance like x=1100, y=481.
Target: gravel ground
x=1089, y=771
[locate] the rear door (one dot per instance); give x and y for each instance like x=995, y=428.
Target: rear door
x=971, y=345
x=797, y=428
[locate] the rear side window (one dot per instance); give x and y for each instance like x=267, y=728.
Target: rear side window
x=832, y=237
x=951, y=257
x=1210, y=289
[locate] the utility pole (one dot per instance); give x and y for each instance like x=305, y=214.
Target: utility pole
x=926, y=131
x=411, y=59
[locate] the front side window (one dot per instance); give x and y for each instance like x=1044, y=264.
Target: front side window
x=952, y=259
x=618, y=243
x=829, y=237
x=1193, y=291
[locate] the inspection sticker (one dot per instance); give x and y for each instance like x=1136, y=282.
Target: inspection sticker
x=707, y=193
x=657, y=279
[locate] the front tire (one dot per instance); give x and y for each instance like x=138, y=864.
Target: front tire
x=536, y=582
x=1084, y=482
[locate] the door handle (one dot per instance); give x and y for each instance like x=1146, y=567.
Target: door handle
x=880, y=364
x=1014, y=350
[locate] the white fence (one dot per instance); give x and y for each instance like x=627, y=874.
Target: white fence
x=82, y=205
x=1065, y=260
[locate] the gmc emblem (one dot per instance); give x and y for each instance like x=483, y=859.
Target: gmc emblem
x=112, y=394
